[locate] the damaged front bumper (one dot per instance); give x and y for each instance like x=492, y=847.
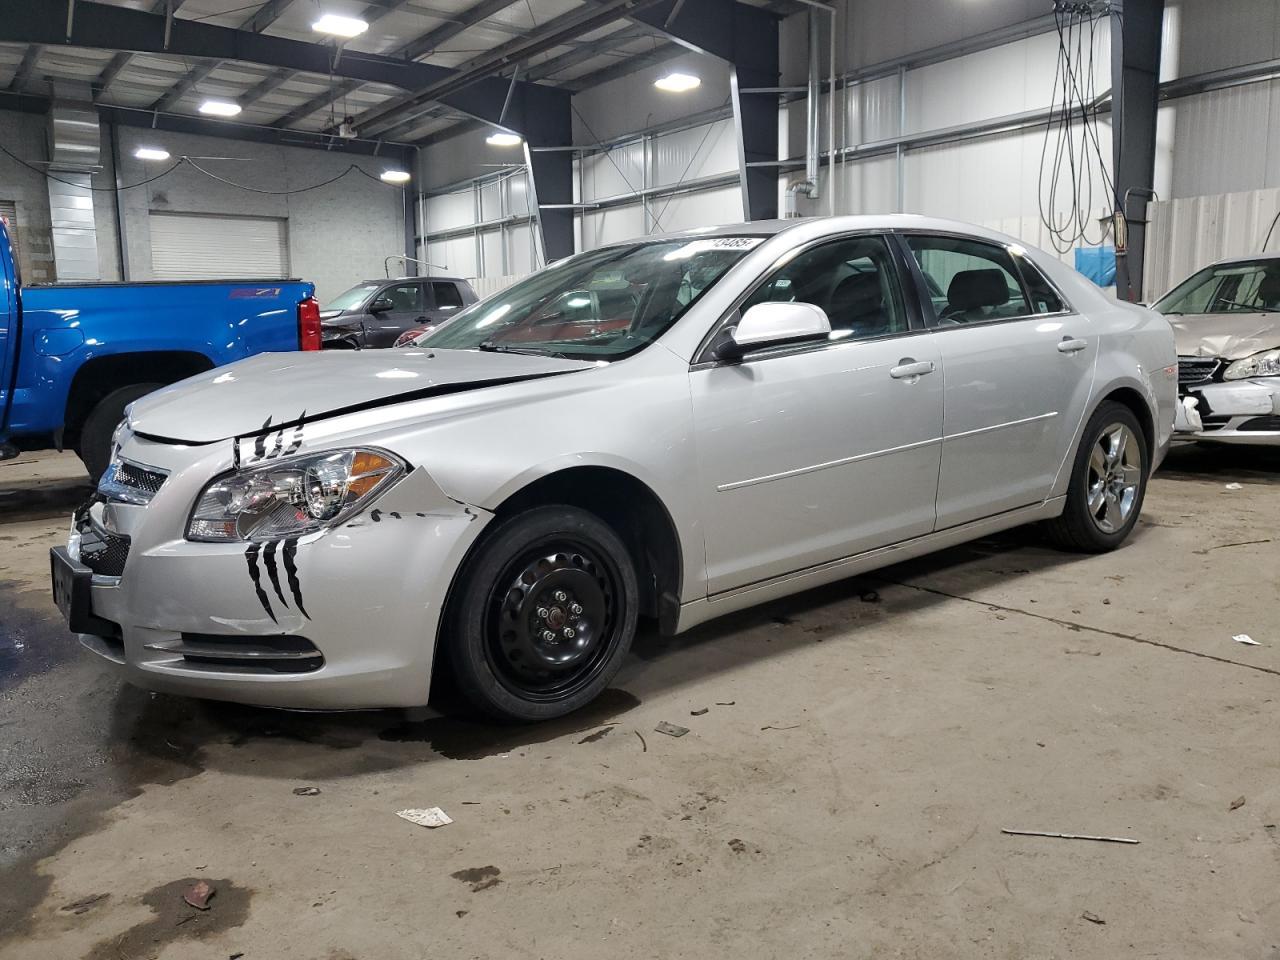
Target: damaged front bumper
x=1240, y=411
x=344, y=618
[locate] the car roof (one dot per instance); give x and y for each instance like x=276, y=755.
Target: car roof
x=769, y=228
x=1251, y=258
x=434, y=276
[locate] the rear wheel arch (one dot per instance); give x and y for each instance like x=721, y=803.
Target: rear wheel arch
x=102, y=375
x=1137, y=403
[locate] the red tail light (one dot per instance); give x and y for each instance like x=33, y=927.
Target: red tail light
x=309, y=324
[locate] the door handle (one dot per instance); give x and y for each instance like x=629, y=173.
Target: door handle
x=909, y=369
x=1071, y=345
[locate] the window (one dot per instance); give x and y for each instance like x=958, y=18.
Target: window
x=1252, y=287
x=1044, y=299
x=402, y=298
x=853, y=280
x=447, y=296
x=969, y=281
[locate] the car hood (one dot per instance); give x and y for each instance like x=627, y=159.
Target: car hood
x=274, y=390
x=1231, y=336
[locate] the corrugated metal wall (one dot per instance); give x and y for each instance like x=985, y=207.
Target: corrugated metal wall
x=481, y=228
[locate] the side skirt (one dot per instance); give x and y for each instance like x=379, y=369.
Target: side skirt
x=699, y=611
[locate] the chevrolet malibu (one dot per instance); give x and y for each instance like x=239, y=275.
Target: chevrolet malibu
x=787, y=404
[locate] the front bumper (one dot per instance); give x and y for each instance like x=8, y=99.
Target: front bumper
x=1240, y=411
x=349, y=621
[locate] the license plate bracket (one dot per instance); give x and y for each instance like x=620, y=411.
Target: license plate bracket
x=72, y=584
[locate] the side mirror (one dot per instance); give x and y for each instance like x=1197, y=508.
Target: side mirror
x=773, y=324
x=380, y=305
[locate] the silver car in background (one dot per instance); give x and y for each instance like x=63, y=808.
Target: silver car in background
x=671, y=428
x=1226, y=318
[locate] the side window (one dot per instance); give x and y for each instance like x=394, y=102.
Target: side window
x=853, y=280
x=970, y=281
x=1044, y=299
x=447, y=296
x=402, y=298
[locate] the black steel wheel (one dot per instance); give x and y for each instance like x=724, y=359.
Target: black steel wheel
x=542, y=615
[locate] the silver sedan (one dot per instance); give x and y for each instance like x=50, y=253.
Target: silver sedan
x=670, y=428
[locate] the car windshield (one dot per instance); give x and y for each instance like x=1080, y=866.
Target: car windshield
x=352, y=298
x=1252, y=287
x=605, y=304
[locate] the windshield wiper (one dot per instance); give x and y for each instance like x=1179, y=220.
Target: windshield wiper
x=490, y=346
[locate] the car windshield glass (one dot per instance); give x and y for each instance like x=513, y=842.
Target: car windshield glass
x=351, y=298
x=1227, y=288
x=605, y=304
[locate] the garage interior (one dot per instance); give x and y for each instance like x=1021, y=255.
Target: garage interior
x=855, y=754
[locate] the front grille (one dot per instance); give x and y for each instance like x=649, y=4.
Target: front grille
x=1193, y=370
x=276, y=653
x=1261, y=423
x=131, y=483
x=102, y=551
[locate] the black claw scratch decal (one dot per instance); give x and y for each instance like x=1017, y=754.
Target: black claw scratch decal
x=296, y=442
x=291, y=568
x=375, y=516
x=260, y=445
x=269, y=560
x=251, y=556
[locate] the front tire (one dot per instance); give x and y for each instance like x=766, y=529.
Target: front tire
x=542, y=615
x=1108, y=483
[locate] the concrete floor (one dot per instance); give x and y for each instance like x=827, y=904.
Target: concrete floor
x=843, y=794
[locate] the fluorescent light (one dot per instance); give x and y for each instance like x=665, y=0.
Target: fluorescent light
x=503, y=140
x=340, y=26
x=395, y=176
x=151, y=153
x=219, y=108
x=677, y=82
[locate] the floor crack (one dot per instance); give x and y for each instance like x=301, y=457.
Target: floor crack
x=1082, y=626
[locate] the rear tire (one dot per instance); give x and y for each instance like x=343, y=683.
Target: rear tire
x=95, y=433
x=542, y=615
x=1108, y=483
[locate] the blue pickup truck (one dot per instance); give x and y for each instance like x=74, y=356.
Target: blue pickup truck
x=73, y=356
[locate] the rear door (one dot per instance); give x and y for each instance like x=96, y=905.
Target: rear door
x=444, y=299
x=393, y=311
x=8, y=320
x=1017, y=370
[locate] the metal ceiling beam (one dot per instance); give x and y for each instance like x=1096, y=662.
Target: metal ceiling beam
x=625, y=67
x=551, y=34
x=184, y=86
x=266, y=15
x=121, y=60
x=102, y=27
x=28, y=64
x=549, y=68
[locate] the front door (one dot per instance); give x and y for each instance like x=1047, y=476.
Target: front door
x=1018, y=367
x=392, y=312
x=820, y=451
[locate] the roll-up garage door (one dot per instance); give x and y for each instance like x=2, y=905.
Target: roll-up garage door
x=186, y=246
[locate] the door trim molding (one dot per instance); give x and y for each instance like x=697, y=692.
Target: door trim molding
x=800, y=471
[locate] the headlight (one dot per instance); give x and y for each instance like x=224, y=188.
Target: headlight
x=1264, y=364
x=291, y=497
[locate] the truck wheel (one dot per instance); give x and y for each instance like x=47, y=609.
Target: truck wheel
x=542, y=614
x=95, y=434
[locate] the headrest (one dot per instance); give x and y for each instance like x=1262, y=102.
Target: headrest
x=978, y=288
x=861, y=288
x=1269, y=288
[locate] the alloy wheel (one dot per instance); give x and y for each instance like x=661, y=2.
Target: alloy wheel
x=1114, y=477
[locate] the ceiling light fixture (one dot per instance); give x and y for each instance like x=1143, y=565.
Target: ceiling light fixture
x=395, y=176
x=219, y=108
x=339, y=26
x=678, y=82
x=151, y=153
x=503, y=140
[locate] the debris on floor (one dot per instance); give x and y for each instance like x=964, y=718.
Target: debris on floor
x=199, y=894
x=725, y=703
x=644, y=747
x=597, y=735
x=1246, y=639
x=1235, y=486
x=794, y=726
x=870, y=596
x=671, y=729
x=86, y=904
x=1067, y=836
x=306, y=791
x=426, y=817
x=698, y=713
x=1236, y=804
x=1093, y=918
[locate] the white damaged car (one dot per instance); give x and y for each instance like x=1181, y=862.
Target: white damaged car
x=1226, y=318
x=670, y=428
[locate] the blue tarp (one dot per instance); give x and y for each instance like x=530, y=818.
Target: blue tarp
x=1098, y=264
